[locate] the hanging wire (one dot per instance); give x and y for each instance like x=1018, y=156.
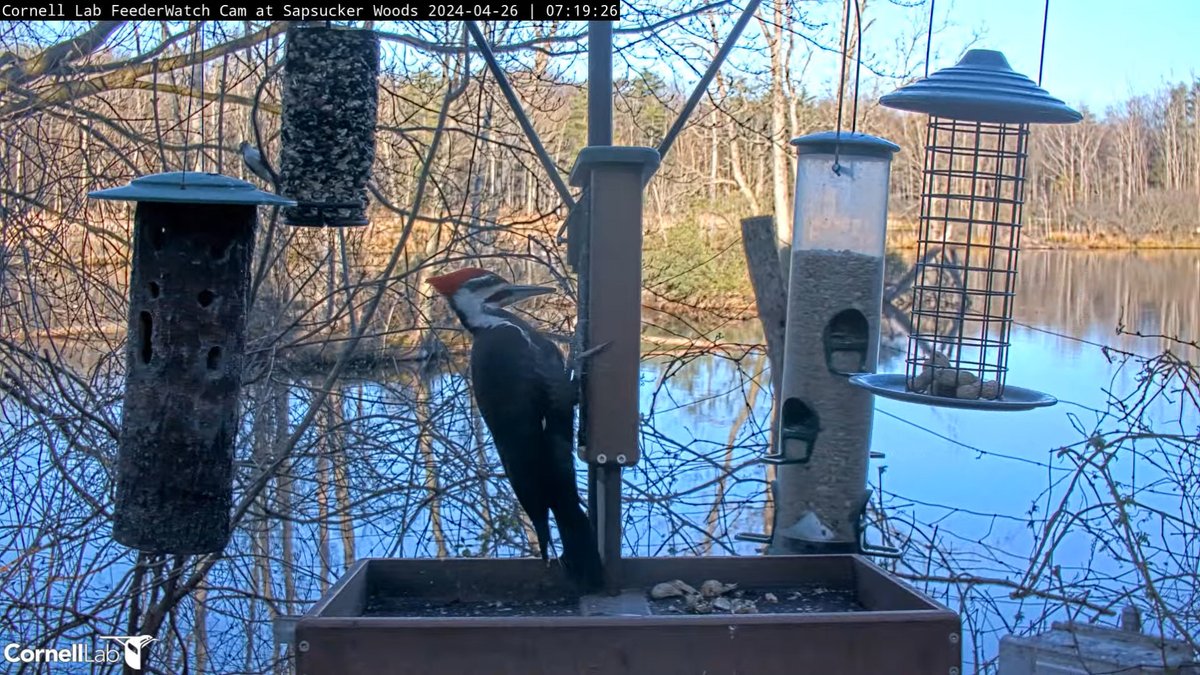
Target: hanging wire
x=187, y=126
x=857, y=66
x=158, y=130
x=1042, y=58
x=203, y=106
x=837, y=144
x=929, y=37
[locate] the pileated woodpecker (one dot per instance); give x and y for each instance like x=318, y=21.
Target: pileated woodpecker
x=527, y=399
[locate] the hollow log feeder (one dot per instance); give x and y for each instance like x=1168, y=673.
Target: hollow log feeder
x=193, y=239
x=330, y=99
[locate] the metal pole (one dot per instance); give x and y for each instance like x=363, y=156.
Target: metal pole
x=513, y=102
x=600, y=83
x=604, y=502
x=707, y=78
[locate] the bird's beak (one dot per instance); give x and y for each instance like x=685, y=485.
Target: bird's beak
x=514, y=293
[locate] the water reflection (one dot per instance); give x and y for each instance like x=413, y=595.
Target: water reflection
x=403, y=466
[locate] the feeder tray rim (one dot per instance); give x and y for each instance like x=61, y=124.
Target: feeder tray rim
x=872, y=615
x=892, y=385
x=191, y=187
x=362, y=571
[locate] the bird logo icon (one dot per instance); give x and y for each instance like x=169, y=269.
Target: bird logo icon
x=133, y=645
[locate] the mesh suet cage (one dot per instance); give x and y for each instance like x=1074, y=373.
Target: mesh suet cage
x=976, y=151
x=330, y=99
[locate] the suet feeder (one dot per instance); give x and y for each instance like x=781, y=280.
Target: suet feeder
x=330, y=98
x=834, y=304
x=193, y=239
x=976, y=151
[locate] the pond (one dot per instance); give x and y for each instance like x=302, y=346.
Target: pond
x=403, y=468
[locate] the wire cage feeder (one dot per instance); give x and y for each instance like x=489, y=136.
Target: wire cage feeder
x=976, y=151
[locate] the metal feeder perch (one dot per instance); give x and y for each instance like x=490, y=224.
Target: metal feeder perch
x=834, y=304
x=193, y=239
x=330, y=100
x=970, y=233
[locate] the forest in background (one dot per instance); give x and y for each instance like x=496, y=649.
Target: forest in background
x=1124, y=177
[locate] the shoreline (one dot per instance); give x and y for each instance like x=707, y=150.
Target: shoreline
x=1098, y=246
x=906, y=242
x=902, y=235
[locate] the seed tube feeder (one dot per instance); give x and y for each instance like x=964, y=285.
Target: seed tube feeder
x=976, y=147
x=834, y=302
x=193, y=239
x=330, y=99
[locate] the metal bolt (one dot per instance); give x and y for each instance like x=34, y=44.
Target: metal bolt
x=954, y=638
x=621, y=459
x=602, y=458
x=303, y=646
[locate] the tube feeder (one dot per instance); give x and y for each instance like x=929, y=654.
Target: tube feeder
x=330, y=99
x=834, y=304
x=976, y=147
x=193, y=239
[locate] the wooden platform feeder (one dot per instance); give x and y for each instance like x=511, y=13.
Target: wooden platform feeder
x=833, y=614
x=193, y=237
x=330, y=99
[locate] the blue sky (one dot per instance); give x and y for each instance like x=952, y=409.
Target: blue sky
x=1097, y=51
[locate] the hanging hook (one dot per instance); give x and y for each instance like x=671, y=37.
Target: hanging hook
x=837, y=144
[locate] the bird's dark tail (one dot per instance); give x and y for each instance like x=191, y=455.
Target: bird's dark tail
x=580, y=556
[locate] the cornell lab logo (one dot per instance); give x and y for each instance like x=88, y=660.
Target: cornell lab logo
x=133, y=645
x=82, y=652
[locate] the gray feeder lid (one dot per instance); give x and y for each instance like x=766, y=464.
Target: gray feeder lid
x=191, y=187
x=847, y=144
x=982, y=87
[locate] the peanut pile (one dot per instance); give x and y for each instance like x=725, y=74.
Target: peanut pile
x=939, y=378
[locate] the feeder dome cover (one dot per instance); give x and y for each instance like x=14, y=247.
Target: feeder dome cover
x=982, y=87
x=846, y=143
x=191, y=187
